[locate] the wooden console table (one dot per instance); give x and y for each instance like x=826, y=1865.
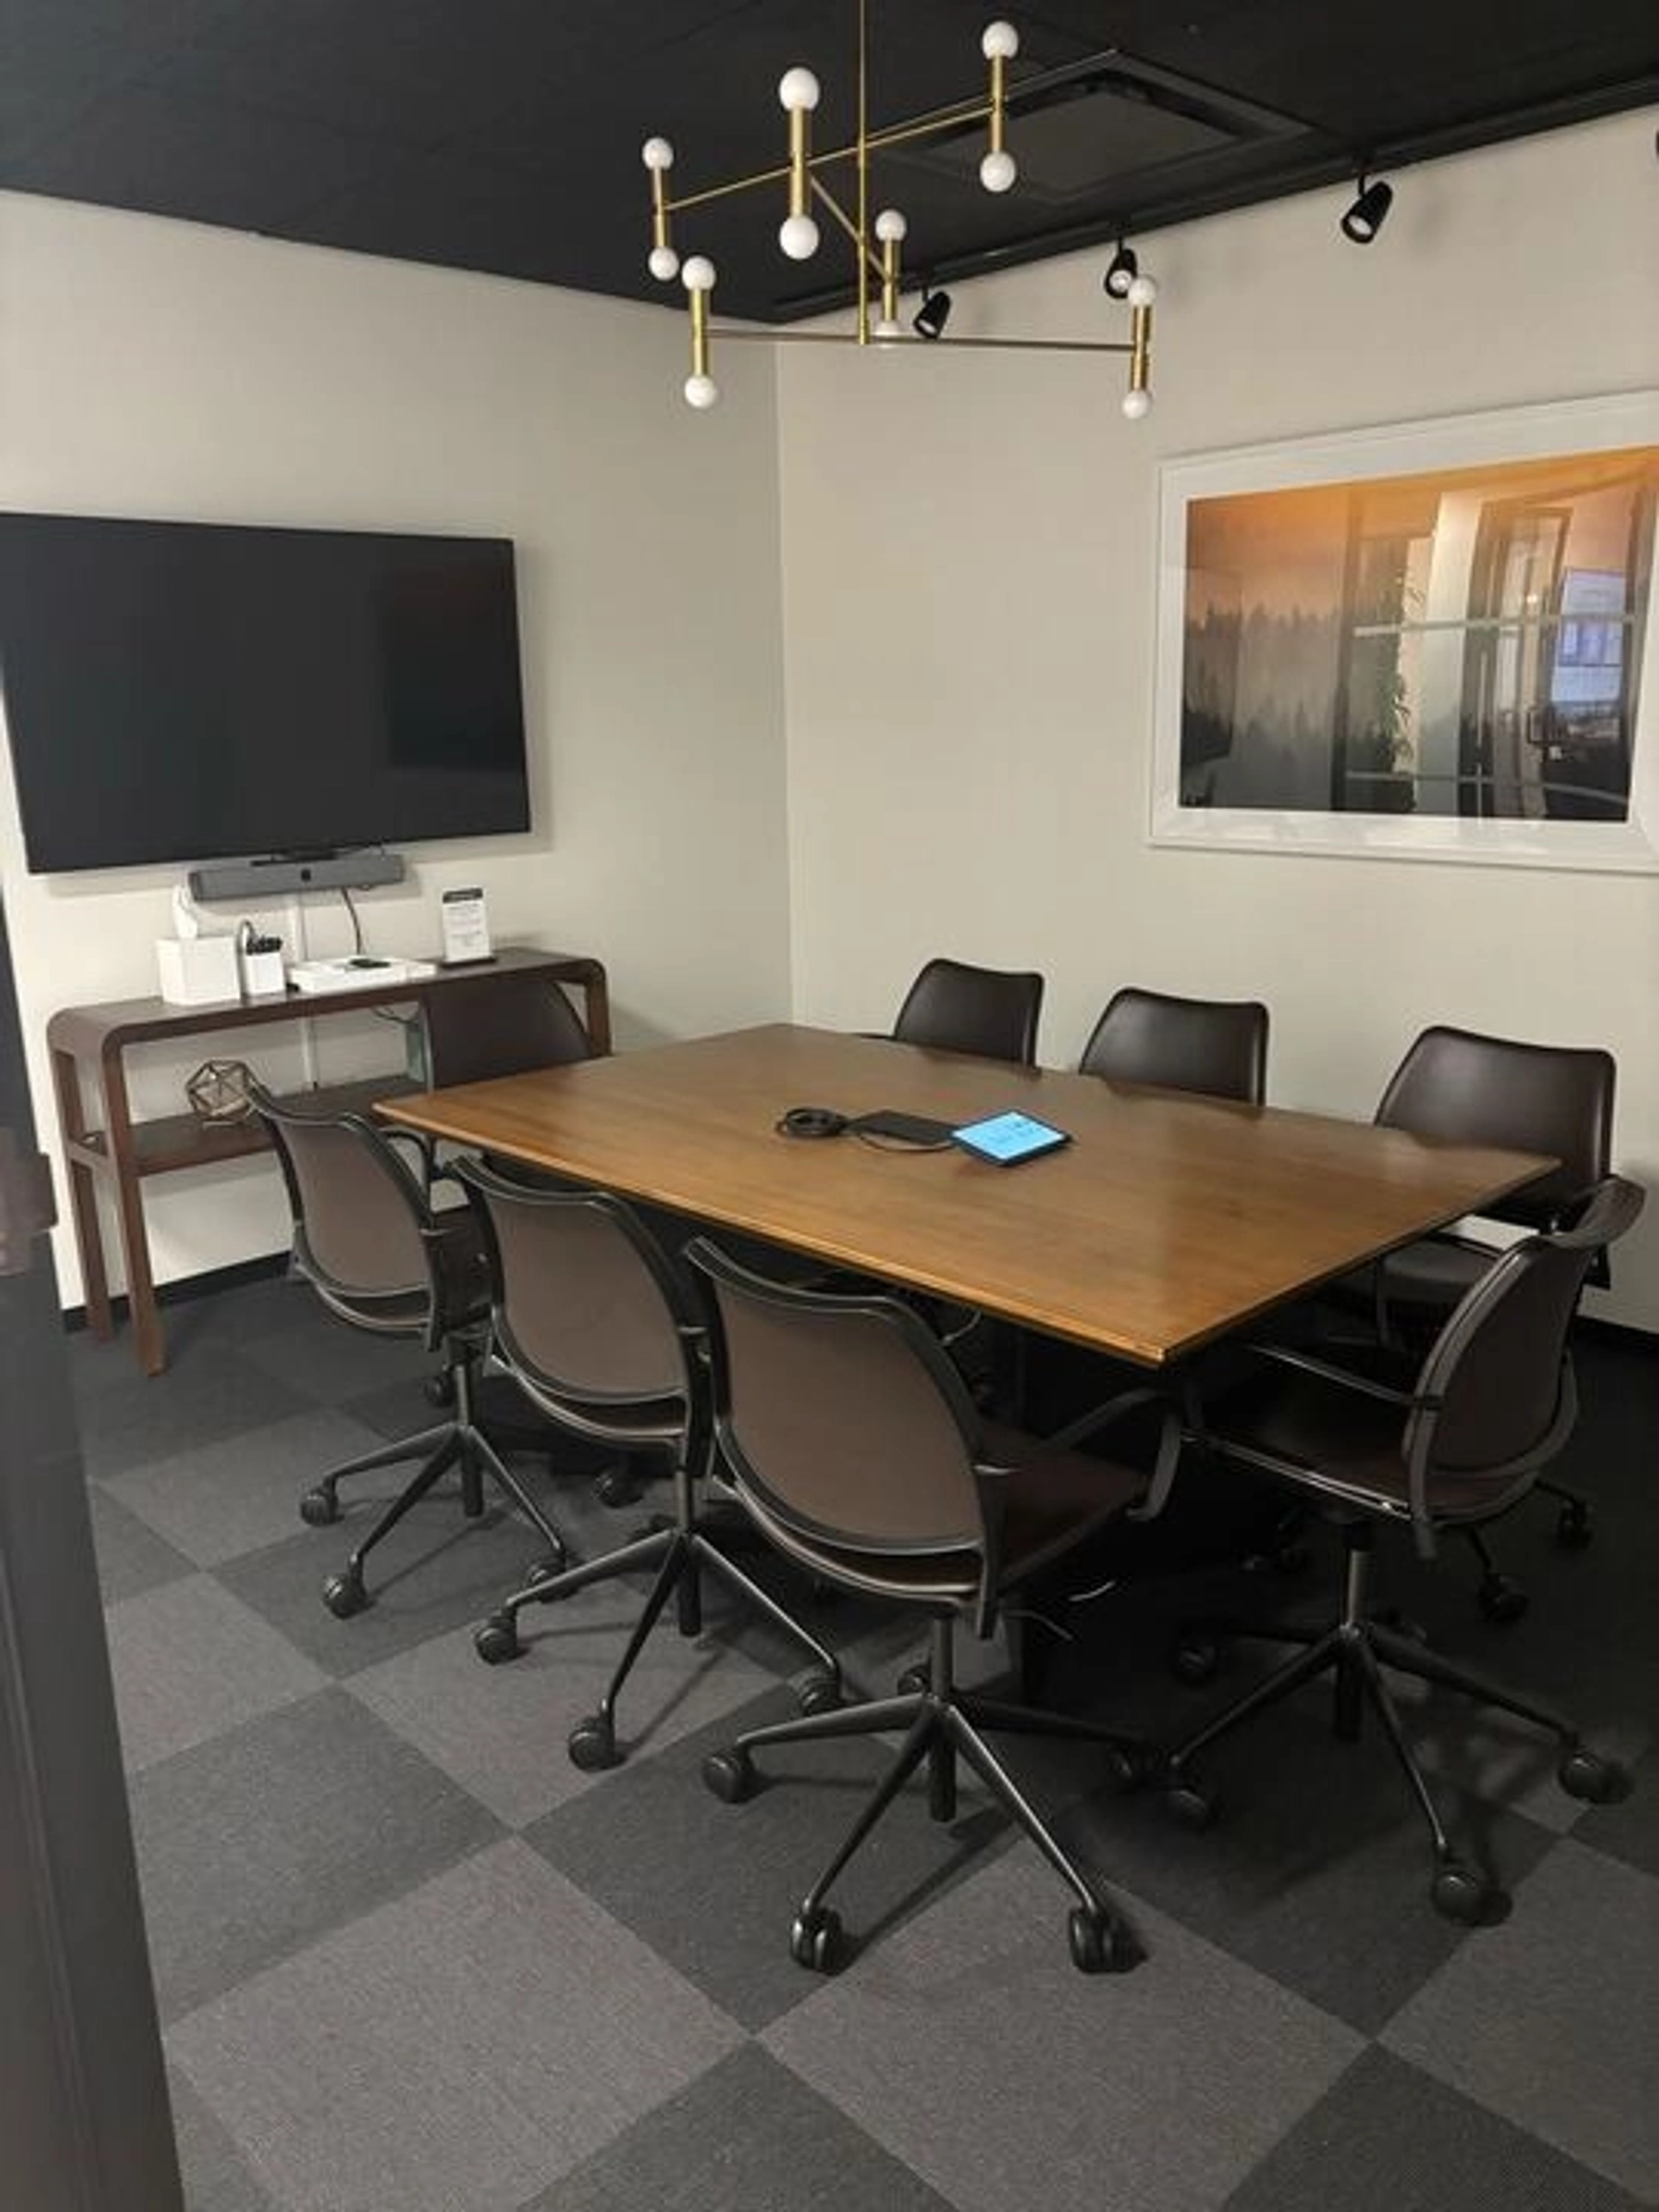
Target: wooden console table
x=94, y=1039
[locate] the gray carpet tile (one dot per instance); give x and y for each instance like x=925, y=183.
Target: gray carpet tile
x=131, y=1558
x=748, y=2134
x=1552, y=2020
x=1387, y=2138
x=216, y=2177
x=259, y=1841
x=437, y=1571
x=1318, y=1866
x=1630, y=1831
x=714, y=1887
x=500, y=1731
x=190, y=1661
x=1153, y=2091
x=239, y=1495
x=473, y=2041
x=139, y=1417
x=327, y=1359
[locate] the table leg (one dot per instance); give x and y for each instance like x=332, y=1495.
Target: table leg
x=129, y=1198
x=596, y=1007
x=83, y=1196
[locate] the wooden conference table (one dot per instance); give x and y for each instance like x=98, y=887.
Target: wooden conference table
x=1167, y=1222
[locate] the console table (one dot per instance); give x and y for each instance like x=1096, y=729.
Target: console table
x=92, y=1040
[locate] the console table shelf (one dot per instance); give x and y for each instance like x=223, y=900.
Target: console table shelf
x=92, y=1041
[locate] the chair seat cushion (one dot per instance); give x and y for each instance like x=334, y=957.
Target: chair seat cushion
x=1434, y=1272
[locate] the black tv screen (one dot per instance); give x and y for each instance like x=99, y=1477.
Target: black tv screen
x=186, y=691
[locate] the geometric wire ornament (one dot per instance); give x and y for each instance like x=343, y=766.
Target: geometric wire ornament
x=217, y=1091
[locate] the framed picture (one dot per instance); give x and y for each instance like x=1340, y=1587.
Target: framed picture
x=1430, y=641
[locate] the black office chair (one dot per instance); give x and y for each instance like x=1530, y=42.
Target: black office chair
x=499, y=1024
x=851, y=1440
x=989, y=1011
x=1216, y=1047
x=600, y=1331
x=1444, y=1446
x=1474, y=1090
x=367, y=1240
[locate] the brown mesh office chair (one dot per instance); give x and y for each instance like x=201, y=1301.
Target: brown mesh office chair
x=367, y=1239
x=990, y=1011
x=1217, y=1047
x=601, y=1333
x=852, y=1442
x=1443, y=1446
x=1469, y=1088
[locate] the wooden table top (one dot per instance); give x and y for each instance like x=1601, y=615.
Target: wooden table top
x=1169, y=1220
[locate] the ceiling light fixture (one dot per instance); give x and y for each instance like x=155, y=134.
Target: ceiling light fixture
x=1370, y=212
x=876, y=243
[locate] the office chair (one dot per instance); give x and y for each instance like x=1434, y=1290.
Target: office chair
x=990, y=1011
x=499, y=1024
x=850, y=1439
x=367, y=1240
x=1217, y=1047
x=1446, y=1445
x=602, y=1334
x=1469, y=1089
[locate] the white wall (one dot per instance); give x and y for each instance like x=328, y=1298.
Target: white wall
x=970, y=566
x=149, y=368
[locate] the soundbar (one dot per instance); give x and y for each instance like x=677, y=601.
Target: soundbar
x=284, y=873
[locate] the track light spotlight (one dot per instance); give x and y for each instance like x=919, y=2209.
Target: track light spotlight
x=931, y=315
x=1368, y=212
x=1121, y=272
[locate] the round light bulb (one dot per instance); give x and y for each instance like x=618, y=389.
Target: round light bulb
x=664, y=264
x=997, y=171
x=1142, y=292
x=1137, y=404
x=698, y=274
x=890, y=224
x=798, y=88
x=700, y=391
x=886, y=328
x=999, y=42
x=798, y=237
x=657, y=153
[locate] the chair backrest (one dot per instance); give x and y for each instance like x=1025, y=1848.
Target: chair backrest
x=360, y=1216
x=1499, y=1369
x=587, y=1309
x=503, y=1025
x=991, y=1011
x=1217, y=1047
x=840, y=1418
x=1475, y=1090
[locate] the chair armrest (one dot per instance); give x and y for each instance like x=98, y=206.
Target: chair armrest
x=1171, y=1437
x=1282, y=1356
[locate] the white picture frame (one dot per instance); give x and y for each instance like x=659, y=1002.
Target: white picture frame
x=1471, y=443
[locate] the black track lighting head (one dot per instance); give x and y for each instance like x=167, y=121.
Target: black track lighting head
x=931, y=315
x=1370, y=212
x=1121, y=272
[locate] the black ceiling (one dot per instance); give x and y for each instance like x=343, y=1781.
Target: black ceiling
x=504, y=135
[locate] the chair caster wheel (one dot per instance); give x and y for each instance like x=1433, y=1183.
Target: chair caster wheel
x=496, y=1640
x=729, y=1776
x=1097, y=1945
x=591, y=1745
x=818, y=1694
x=1592, y=1779
x=344, y=1595
x=1194, y=1656
x=318, y=1507
x=1574, y=1530
x=912, y=1682
x=548, y=1570
x=815, y=1938
x=1193, y=1806
x=616, y=1486
x=1502, y=1600
x=440, y=1389
x=1460, y=1894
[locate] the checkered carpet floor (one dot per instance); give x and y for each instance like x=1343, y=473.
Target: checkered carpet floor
x=410, y=1959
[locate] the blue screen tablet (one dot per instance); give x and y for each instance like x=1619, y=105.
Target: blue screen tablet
x=1008, y=1138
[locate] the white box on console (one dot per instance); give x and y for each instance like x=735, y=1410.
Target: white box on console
x=195, y=971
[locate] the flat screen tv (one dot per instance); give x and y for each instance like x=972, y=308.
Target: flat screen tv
x=185, y=691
